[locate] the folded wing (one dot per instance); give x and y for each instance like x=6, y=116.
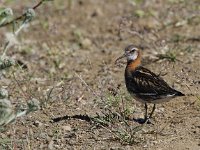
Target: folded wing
x=148, y=85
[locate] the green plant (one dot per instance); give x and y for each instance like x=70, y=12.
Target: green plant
x=129, y=135
x=169, y=56
x=8, y=113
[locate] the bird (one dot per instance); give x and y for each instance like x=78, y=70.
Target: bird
x=144, y=85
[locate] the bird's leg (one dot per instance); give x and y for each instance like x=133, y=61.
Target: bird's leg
x=154, y=107
x=145, y=115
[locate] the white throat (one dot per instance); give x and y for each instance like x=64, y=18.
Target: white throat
x=132, y=57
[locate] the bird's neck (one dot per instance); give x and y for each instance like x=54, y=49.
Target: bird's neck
x=133, y=64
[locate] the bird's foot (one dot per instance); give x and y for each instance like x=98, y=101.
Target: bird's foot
x=143, y=120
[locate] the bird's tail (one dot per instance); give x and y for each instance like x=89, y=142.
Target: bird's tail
x=179, y=93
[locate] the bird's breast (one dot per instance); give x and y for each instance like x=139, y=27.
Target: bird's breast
x=129, y=82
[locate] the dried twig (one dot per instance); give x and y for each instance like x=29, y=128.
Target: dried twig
x=24, y=14
x=93, y=92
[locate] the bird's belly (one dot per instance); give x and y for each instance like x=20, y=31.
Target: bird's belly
x=138, y=99
x=150, y=100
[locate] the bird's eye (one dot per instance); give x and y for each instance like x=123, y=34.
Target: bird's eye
x=132, y=50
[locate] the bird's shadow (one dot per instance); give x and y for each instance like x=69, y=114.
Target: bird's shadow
x=67, y=117
x=90, y=119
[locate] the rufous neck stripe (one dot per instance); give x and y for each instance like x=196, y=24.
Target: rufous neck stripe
x=135, y=63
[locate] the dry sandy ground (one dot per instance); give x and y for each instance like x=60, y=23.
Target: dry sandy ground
x=71, y=47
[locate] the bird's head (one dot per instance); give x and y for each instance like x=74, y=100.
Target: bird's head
x=131, y=53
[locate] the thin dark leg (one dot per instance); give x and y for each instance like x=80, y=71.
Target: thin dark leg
x=145, y=115
x=154, y=107
x=145, y=120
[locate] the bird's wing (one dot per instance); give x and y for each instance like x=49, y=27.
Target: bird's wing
x=148, y=84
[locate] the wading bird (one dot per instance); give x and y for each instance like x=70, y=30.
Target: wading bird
x=144, y=85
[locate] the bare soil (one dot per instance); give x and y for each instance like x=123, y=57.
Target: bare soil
x=70, y=50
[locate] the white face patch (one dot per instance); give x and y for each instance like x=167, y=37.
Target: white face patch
x=132, y=56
